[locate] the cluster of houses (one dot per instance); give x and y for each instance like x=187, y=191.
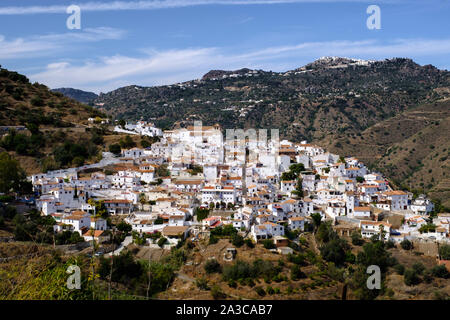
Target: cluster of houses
x=160, y=189
x=140, y=128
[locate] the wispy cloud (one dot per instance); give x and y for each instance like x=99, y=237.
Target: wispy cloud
x=35, y=46
x=164, y=67
x=245, y=20
x=156, y=4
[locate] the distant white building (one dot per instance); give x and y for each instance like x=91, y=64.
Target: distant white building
x=422, y=205
x=218, y=193
x=371, y=228
x=296, y=223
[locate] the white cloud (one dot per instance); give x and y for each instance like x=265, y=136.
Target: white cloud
x=156, y=4
x=42, y=45
x=157, y=68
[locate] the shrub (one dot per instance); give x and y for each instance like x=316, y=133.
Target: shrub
x=268, y=244
x=249, y=243
x=418, y=268
x=217, y=293
x=270, y=290
x=37, y=101
x=441, y=296
x=357, y=239
x=201, y=213
x=406, y=245
x=298, y=259
x=162, y=241
x=213, y=239
x=294, y=246
x=444, y=252
x=115, y=148
x=350, y=257
x=297, y=273
x=260, y=291
x=241, y=270
x=334, y=251
x=212, y=266
x=427, y=276
x=202, y=283
x=249, y=282
x=374, y=253
x=411, y=277
x=440, y=272
x=390, y=244
x=124, y=227
x=399, y=268
x=125, y=268
x=237, y=240
x=127, y=143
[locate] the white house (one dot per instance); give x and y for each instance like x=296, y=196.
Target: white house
x=422, y=205
x=118, y=206
x=361, y=212
x=296, y=223
x=398, y=199
x=287, y=186
x=371, y=228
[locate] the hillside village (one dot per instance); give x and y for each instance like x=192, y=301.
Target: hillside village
x=193, y=181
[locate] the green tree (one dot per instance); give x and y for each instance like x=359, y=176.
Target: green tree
x=202, y=283
x=335, y=251
x=399, y=268
x=12, y=176
x=418, y=267
x=357, y=239
x=268, y=244
x=411, y=277
x=115, y=148
x=162, y=241
x=440, y=272
x=217, y=293
x=162, y=171
x=288, y=176
x=213, y=239
x=406, y=245
x=124, y=227
x=237, y=240
x=297, y=273
x=444, y=252
x=212, y=266
x=201, y=213
x=127, y=142
x=297, y=168
x=317, y=220
x=122, y=123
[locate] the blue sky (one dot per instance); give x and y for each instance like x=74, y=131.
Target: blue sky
x=167, y=41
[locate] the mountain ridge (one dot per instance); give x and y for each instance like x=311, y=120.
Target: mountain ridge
x=330, y=99
x=77, y=94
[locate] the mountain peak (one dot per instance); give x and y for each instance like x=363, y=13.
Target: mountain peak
x=335, y=62
x=221, y=74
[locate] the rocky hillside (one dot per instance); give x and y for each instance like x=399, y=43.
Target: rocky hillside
x=76, y=94
x=412, y=148
x=44, y=129
x=329, y=96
